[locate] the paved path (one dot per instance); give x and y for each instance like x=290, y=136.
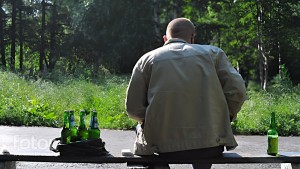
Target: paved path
x=36, y=141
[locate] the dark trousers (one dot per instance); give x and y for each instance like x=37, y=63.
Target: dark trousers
x=196, y=153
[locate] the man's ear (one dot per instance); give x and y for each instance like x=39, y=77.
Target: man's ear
x=193, y=38
x=165, y=38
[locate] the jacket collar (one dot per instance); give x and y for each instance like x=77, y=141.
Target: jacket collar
x=174, y=40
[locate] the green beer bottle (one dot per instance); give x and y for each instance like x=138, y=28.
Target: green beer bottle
x=94, y=132
x=65, y=132
x=272, y=137
x=73, y=126
x=82, y=130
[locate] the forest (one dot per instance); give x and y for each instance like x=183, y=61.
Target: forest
x=91, y=38
x=78, y=54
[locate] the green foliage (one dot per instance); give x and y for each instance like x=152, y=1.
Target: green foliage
x=21, y=103
x=36, y=114
x=118, y=34
x=281, y=82
x=281, y=98
x=42, y=103
x=253, y=118
x=83, y=36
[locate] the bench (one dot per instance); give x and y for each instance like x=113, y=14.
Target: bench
x=289, y=160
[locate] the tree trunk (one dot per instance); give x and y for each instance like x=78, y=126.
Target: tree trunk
x=261, y=72
x=53, y=30
x=156, y=19
x=42, y=47
x=21, y=37
x=13, y=35
x=262, y=54
x=2, y=45
x=278, y=13
x=265, y=66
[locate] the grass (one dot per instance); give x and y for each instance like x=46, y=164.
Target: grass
x=42, y=103
x=254, y=117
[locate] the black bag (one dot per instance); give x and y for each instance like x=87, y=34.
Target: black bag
x=95, y=147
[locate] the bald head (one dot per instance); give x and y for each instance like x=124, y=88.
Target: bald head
x=181, y=28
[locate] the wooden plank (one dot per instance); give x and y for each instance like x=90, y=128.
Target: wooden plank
x=226, y=158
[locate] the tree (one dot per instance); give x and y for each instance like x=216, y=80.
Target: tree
x=116, y=41
x=42, y=34
x=53, y=32
x=274, y=25
x=21, y=36
x=29, y=37
x=263, y=51
x=13, y=35
x=85, y=36
x=2, y=44
x=287, y=33
x=229, y=25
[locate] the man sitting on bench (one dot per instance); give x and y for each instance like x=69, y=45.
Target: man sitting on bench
x=184, y=95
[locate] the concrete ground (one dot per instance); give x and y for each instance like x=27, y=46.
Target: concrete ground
x=36, y=141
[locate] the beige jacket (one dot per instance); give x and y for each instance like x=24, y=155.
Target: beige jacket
x=185, y=94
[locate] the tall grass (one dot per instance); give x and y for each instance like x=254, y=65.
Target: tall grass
x=42, y=103
x=254, y=118
x=280, y=97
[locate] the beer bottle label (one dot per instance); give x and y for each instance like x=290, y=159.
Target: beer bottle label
x=72, y=121
x=272, y=145
x=95, y=124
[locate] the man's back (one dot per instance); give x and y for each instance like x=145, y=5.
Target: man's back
x=187, y=108
x=185, y=96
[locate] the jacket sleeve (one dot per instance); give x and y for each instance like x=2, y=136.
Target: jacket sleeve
x=232, y=83
x=136, y=96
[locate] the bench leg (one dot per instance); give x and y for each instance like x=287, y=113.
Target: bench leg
x=290, y=166
x=7, y=165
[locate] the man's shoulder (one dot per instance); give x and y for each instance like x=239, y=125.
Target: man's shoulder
x=150, y=55
x=164, y=51
x=146, y=58
x=208, y=48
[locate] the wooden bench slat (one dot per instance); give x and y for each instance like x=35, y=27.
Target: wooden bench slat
x=226, y=158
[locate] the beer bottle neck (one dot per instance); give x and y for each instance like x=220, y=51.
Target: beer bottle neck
x=82, y=120
x=273, y=121
x=66, y=120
